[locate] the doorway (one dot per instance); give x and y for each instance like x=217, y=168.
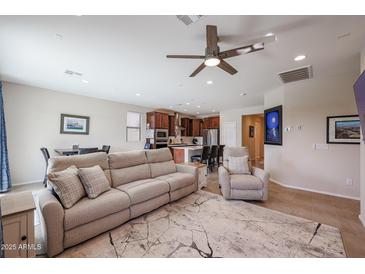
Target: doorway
x=253, y=137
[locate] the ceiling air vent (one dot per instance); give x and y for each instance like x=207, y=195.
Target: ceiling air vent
x=188, y=19
x=71, y=73
x=298, y=74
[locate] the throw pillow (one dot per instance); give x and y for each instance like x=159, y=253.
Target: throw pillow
x=67, y=185
x=94, y=181
x=238, y=165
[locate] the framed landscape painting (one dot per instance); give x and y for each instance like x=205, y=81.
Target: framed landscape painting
x=343, y=129
x=74, y=124
x=274, y=126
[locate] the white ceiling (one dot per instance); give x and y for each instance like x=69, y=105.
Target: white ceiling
x=124, y=55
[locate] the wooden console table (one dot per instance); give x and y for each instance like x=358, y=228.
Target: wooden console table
x=202, y=173
x=18, y=225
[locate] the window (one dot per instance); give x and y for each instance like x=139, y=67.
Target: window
x=133, y=126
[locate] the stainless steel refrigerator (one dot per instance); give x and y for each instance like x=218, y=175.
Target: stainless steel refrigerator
x=210, y=137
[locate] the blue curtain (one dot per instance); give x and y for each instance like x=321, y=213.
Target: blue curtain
x=5, y=183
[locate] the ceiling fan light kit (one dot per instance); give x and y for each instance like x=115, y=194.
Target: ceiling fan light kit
x=212, y=61
x=214, y=57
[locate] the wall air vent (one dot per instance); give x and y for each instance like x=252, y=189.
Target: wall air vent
x=188, y=19
x=298, y=74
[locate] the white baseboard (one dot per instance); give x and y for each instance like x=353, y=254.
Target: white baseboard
x=314, y=190
x=362, y=220
x=27, y=183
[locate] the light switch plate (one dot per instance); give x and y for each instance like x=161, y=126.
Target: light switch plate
x=320, y=146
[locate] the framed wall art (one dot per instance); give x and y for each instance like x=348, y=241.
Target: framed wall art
x=343, y=129
x=274, y=126
x=74, y=124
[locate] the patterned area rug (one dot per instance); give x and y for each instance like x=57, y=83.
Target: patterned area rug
x=205, y=225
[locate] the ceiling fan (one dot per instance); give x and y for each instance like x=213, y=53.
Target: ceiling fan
x=214, y=57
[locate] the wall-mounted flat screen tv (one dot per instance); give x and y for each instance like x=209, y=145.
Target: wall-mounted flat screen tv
x=359, y=89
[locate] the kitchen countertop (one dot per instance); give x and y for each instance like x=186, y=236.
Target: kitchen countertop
x=194, y=147
x=182, y=145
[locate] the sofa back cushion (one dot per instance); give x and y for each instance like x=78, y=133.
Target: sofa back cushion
x=80, y=161
x=160, y=162
x=126, y=167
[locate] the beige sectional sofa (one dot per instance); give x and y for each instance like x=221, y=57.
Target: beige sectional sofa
x=140, y=181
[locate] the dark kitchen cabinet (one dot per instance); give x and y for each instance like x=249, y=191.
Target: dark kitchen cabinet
x=206, y=123
x=196, y=127
x=171, y=125
x=185, y=123
x=214, y=123
x=158, y=120
x=211, y=122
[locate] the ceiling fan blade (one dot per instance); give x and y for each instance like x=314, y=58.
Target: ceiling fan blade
x=251, y=46
x=186, y=56
x=235, y=52
x=227, y=67
x=212, y=37
x=199, y=69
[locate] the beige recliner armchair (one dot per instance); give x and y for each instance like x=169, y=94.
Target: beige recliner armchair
x=242, y=186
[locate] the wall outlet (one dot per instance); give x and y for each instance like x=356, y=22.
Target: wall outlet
x=349, y=181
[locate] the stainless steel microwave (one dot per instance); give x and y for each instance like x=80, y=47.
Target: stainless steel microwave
x=162, y=134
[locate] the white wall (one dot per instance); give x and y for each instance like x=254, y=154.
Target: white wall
x=296, y=163
x=33, y=120
x=362, y=159
x=234, y=115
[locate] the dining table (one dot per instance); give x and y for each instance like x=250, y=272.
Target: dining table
x=66, y=151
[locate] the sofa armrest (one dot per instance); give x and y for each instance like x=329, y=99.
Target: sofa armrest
x=224, y=181
x=52, y=216
x=189, y=169
x=264, y=177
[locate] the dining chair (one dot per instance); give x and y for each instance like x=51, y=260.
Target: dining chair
x=106, y=149
x=212, y=157
x=203, y=158
x=88, y=150
x=220, y=154
x=45, y=154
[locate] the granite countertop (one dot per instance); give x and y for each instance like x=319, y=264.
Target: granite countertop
x=182, y=145
x=191, y=147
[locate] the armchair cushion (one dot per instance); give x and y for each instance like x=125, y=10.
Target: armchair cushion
x=245, y=182
x=238, y=165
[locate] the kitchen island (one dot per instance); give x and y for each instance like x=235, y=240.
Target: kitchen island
x=182, y=153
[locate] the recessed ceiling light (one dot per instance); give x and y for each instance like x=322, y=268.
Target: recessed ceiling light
x=188, y=103
x=243, y=94
x=197, y=112
x=198, y=106
x=209, y=82
x=269, y=34
x=185, y=110
x=300, y=58
x=84, y=81
x=138, y=94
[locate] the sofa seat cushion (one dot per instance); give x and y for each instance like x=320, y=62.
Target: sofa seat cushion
x=245, y=182
x=143, y=190
x=88, y=210
x=178, y=180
